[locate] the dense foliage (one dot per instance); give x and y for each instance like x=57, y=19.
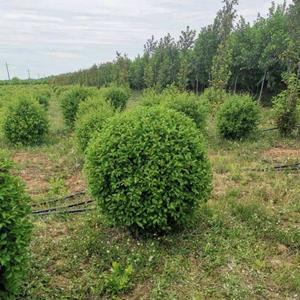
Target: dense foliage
x=238, y=117
x=286, y=106
x=189, y=104
x=70, y=100
x=148, y=169
x=15, y=230
x=229, y=53
x=25, y=122
x=43, y=98
x=116, y=96
x=90, y=123
x=92, y=104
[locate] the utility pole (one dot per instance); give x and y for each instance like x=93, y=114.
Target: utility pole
x=7, y=70
x=28, y=71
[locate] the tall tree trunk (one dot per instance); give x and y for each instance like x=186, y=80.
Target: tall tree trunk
x=262, y=87
x=235, y=83
x=197, y=86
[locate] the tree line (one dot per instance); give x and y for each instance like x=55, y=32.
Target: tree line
x=228, y=54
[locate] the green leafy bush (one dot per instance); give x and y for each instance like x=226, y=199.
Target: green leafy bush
x=149, y=98
x=191, y=107
x=70, y=101
x=215, y=95
x=152, y=97
x=116, y=96
x=238, y=117
x=119, y=279
x=89, y=123
x=148, y=169
x=183, y=102
x=92, y=104
x=286, y=108
x=25, y=123
x=43, y=98
x=15, y=230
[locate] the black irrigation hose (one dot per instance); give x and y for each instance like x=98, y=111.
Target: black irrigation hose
x=291, y=167
x=72, y=211
x=297, y=165
x=270, y=129
x=276, y=128
x=52, y=209
x=83, y=192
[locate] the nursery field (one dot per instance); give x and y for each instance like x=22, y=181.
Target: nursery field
x=243, y=243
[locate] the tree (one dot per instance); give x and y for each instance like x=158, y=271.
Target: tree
x=221, y=65
x=273, y=36
x=205, y=49
x=122, y=69
x=185, y=44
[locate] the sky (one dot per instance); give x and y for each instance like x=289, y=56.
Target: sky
x=56, y=36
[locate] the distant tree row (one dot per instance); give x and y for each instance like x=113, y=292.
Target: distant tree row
x=228, y=54
x=17, y=81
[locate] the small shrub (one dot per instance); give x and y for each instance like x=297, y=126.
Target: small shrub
x=215, y=95
x=149, y=98
x=152, y=97
x=183, y=102
x=58, y=90
x=119, y=279
x=70, y=102
x=58, y=187
x=43, y=98
x=91, y=104
x=15, y=230
x=25, y=123
x=148, y=169
x=116, y=96
x=191, y=107
x=238, y=117
x=286, y=106
x=88, y=124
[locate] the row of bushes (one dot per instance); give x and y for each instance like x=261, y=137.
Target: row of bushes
x=238, y=117
x=116, y=97
x=148, y=168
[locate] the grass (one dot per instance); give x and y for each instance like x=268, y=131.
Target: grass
x=243, y=244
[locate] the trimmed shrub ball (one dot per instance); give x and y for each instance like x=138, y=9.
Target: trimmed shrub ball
x=148, y=169
x=90, y=123
x=116, y=96
x=238, y=117
x=15, y=230
x=26, y=123
x=70, y=102
x=191, y=107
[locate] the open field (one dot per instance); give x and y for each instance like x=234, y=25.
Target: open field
x=243, y=244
